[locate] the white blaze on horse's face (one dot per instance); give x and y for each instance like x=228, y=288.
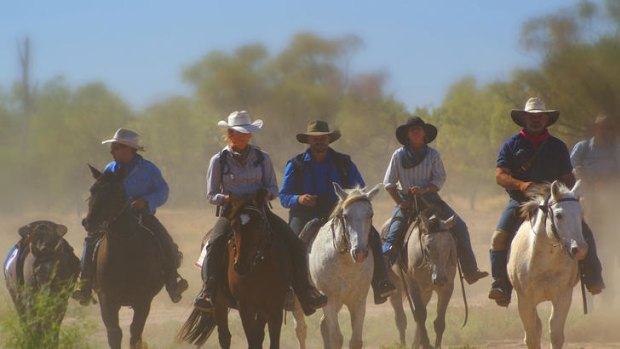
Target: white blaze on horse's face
x=567, y=217
x=245, y=219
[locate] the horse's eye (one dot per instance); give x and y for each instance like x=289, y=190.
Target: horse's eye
x=558, y=215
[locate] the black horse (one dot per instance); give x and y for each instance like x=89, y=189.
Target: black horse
x=40, y=274
x=129, y=269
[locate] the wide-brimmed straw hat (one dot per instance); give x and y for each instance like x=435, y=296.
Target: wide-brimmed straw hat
x=125, y=137
x=241, y=121
x=534, y=105
x=429, y=130
x=318, y=128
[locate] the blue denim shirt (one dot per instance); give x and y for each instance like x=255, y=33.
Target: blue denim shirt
x=317, y=180
x=143, y=180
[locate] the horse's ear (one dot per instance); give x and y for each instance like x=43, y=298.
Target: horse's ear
x=374, y=191
x=24, y=231
x=555, y=190
x=61, y=230
x=448, y=223
x=339, y=191
x=95, y=172
x=577, y=189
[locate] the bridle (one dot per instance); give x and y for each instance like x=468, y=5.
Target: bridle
x=339, y=218
x=546, y=207
x=265, y=244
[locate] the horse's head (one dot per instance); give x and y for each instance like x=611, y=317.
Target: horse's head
x=251, y=231
x=438, y=246
x=44, y=240
x=106, y=202
x=354, y=212
x=555, y=213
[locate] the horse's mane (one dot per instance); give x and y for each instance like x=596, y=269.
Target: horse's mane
x=536, y=194
x=353, y=195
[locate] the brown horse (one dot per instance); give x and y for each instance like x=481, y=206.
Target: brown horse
x=129, y=269
x=257, y=280
x=40, y=274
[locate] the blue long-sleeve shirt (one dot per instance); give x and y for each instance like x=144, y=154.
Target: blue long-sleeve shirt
x=316, y=179
x=142, y=180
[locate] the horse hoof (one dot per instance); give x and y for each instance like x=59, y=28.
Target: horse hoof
x=139, y=345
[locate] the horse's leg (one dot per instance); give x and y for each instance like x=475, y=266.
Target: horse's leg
x=420, y=337
x=259, y=329
x=561, y=306
x=301, y=329
x=399, y=314
x=221, y=319
x=531, y=322
x=358, y=312
x=330, y=329
x=249, y=320
x=140, y=313
x=443, y=298
x=275, y=326
x=109, y=315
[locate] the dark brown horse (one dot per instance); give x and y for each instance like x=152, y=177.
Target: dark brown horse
x=257, y=280
x=40, y=274
x=129, y=271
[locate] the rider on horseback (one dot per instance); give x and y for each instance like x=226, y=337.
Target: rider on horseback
x=532, y=156
x=238, y=169
x=146, y=190
x=419, y=171
x=308, y=191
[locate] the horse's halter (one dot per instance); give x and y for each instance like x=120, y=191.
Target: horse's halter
x=546, y=208
x=265, y=242
x=339, y=217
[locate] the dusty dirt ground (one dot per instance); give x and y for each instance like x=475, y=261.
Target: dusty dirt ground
x=488, y=327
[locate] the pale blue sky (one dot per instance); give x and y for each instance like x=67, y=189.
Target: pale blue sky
x=139, y=48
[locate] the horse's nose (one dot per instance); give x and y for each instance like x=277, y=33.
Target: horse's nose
x=359, y=254
x=85, y=223
x=439, y=279
x=578, y=251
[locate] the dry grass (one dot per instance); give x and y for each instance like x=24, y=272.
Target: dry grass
x=488, y=327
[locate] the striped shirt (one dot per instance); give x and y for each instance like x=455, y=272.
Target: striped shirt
x=429, y=171
x=238, y=178
x=598, y=161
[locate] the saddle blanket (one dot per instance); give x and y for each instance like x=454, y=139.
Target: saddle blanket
x=201, y=258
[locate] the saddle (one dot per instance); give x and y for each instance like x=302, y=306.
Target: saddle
x=309, y=231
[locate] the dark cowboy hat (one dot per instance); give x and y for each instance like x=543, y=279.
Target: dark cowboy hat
x=401, y=131
x=318, y=128
x=534, y=105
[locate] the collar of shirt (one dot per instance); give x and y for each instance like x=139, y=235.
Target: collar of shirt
x=535, y=139
x=129, y=167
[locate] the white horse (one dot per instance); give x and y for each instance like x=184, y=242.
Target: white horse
x=429, y=266
x=341, y=266
x=543, y=259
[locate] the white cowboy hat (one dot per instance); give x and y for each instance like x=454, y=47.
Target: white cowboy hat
x=241, y=121
x=125, y=137
x=534, y=105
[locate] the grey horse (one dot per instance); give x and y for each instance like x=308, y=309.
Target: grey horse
x=341, y=265
x=429, y=265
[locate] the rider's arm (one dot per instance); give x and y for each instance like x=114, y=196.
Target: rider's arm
x=503, y=177
x=214, y=177
x=438, y=174
x=393, y=191
x=269, y=178
x=288, y=197
x=159, y=194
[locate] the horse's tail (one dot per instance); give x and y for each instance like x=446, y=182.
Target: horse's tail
x=197, y=328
